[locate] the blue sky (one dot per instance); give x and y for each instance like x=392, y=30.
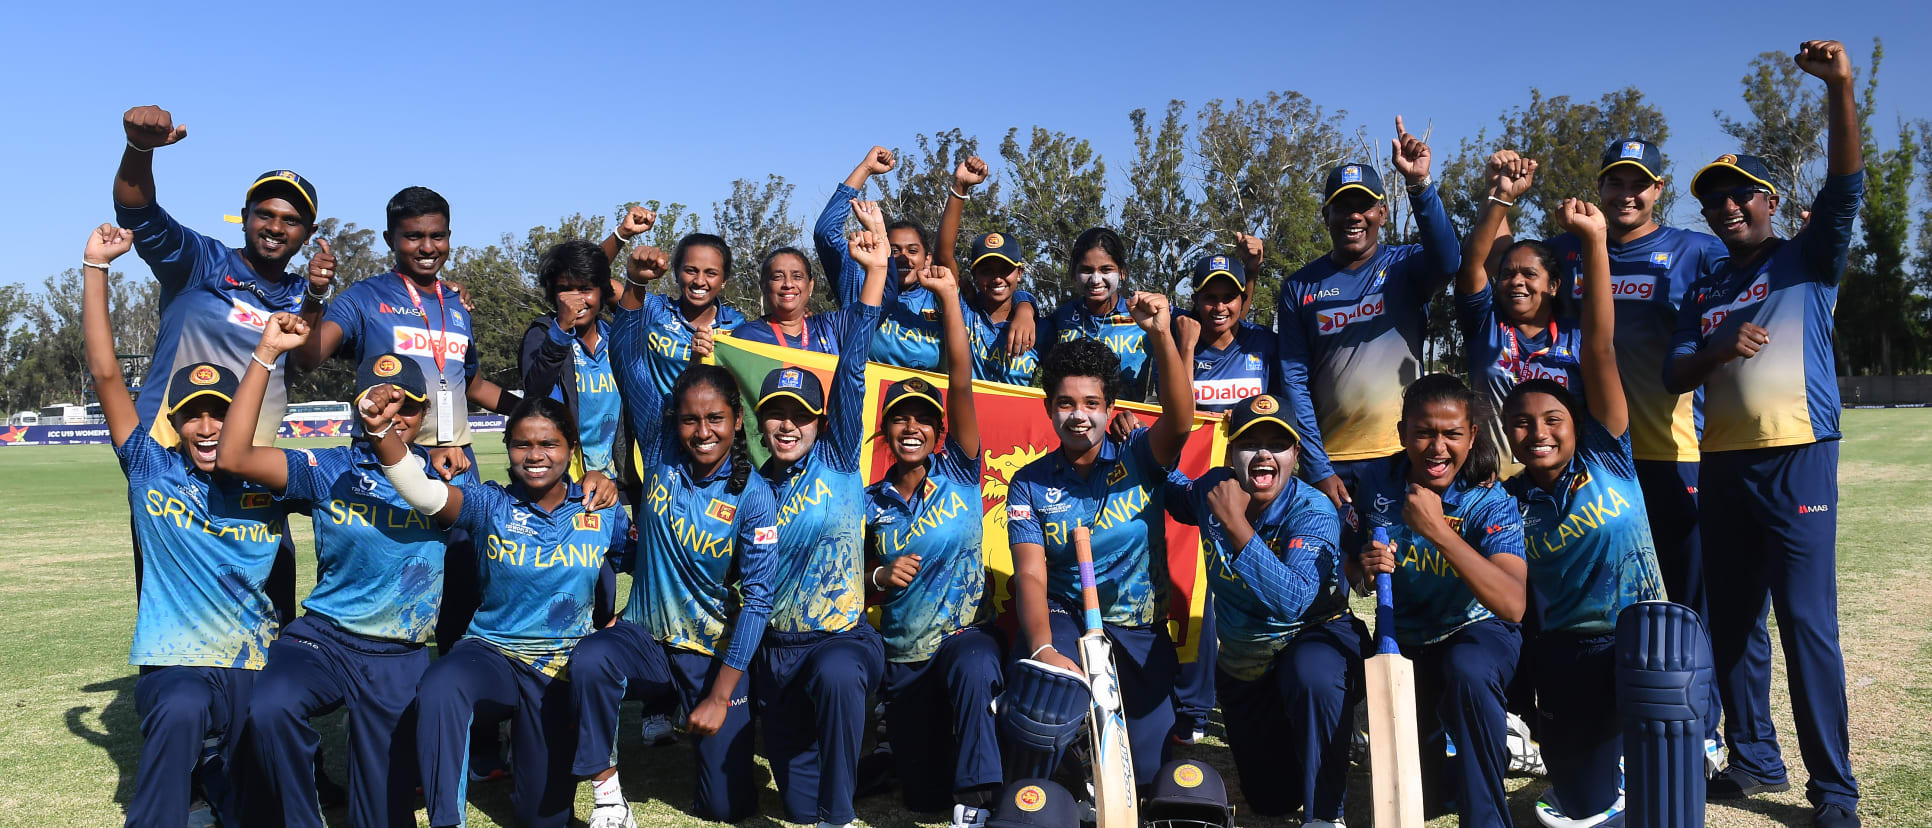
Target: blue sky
x=521, y=113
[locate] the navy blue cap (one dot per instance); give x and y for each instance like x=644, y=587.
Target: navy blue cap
x=1185, y=788
x=389, y=369
x=289, y=182
x=797, y=383
x=1035, y=803
x=995, y=245
x=1220, y=264
x=1635, y=152
x=1260, y=408
x=1749, y=166
x=202, y=379
x=1351, y=176
x=912, y=388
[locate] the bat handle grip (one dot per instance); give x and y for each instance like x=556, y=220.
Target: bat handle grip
x=1384, y=605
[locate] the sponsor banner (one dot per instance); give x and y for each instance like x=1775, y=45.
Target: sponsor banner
x=81, y=435
x=1014, y=431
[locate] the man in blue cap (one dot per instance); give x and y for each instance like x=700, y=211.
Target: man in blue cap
x=1756, y=336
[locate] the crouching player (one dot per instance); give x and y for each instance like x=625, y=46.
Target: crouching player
x=542, y=554
x=207, y=541
x=361, y=642
x=923, y=537
x=1290, y=662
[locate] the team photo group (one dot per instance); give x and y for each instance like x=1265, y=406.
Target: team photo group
x=1572, y=540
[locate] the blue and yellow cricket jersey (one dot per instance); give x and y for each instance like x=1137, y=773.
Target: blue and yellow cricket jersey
x=378, y=562
x=1499, y=356
x=1117, y=330
x=537, y=571
x=1648, y=277
x=207, y=545
x=1590, y=550
x=379, y=315
x=667, y=337
x=1249, y=366
x=1431, y=601
x=941, y=524
x=1121, y=500
x=702, y=574
x=1787, y=394
x=1288, y=577
x=599, y=405
x=1351, y=340
x=990, y=361
x=213, y=309
x=821, y=505
x=820, y=335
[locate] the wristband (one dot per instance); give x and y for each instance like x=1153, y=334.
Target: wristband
x=101, y=265
x=1419, y=186
x=267, y=366
x=130, y=145
x=875, y=578
x=319, y=297
x=1502, y=202
x=1041, y=648
x=377, y=435
x=621, y=238
x=962, y=196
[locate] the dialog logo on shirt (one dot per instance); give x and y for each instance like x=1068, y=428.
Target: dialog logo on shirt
x=1335, y=321
x=419, y=342
x=247, y=315
x=721, y=511
x=1631, y=286
x=1018, y=512
x=1226, y=391
x=1759, y=290
x=764, y=535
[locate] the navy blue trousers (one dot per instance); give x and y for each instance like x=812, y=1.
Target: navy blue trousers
x=1769, y=521
x=1461, y=683
x=939, y=718
x=1670, y=498
x=621, y=662
x=475, y=684
x=813, y=691
x=1289, y=729
x=1578, y=727
x=179, y=707
x=314, y=668
x=1145, y=660
x=1194, y=684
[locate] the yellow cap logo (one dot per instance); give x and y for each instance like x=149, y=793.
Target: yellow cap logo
x=1030, y=798
x=1265, y=404
x=995, y=240
x=203, y=375
x=1726, y=158
x=387, y=366
x=916, y=385
x=1188, y=776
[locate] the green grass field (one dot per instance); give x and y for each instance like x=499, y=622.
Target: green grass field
x=71, y=736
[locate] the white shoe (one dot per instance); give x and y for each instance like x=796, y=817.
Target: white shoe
x=966, y=816
x=1713, y=758
x=1322, y=823
x=1525, y=756
x=615, y=815
x=1550, y=814
x=657, y=731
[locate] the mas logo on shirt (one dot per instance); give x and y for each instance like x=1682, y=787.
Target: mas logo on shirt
x=764, y=535
x=1335, y=321
x=721, y=511
x=1324, y=293
x=385, y=307
x=588, y=522
x=257, y=500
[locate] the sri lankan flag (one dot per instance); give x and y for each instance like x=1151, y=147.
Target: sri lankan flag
x=1015, y=432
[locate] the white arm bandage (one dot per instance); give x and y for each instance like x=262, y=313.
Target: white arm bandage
x=421, y=492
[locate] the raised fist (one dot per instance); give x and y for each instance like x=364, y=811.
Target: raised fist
x=106, y=244
x=939, y=280
x=972, y=172
x=284, y=332
x=1509, y=174
x=1149, y=311
x=378, y=407
x=1580, y=217
x=1411, y=156
x=636, y=222
x=869, y=249
x=646, y=263
x=1248, y=249
x=1826, y=59
x=151, y=126
x=878, y=160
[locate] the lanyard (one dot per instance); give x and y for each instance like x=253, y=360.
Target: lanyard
x=804, y=333
x=442, y=322
x=1520, y=364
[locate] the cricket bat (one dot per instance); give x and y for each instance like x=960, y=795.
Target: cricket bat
x=1395, y=758
x=1115, y=804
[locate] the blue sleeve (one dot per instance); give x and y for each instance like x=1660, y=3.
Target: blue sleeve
x=171, y=250
x=141, y=457
x=828, y=235
x=1022, y=520
x=1715, y=255
x=757, y=568
x=1180, y=499
x=1496, y=528
x=346, y=313
x=481, y=501
x=1472, y=314
x=1441, y=253
x=1141, y=443
x=643, y=404
x=1689, y=336
x=1021, y=297
x=621, y=548
x=1827, y=239
x=1601, y=448
x=1287, y=584
x=308, y=478
x=1291, y=349
x=955, y=464
x=1046, y=332
x=845, y=411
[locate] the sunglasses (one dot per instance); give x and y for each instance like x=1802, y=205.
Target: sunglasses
x=1737, y=195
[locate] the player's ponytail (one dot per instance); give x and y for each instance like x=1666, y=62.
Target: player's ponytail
x=1480, y=467
x=740, y=462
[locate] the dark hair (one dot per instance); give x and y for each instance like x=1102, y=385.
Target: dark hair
x=411, y=202
x=1080, y=358
x=1545, y=256
x=908, y=224
x=1543, y=385
x=726, y=385
x=544, y=408
x=1107, y=240
x=700, y=240
x=764, y=264
x=1482, y=463
x=576, y=260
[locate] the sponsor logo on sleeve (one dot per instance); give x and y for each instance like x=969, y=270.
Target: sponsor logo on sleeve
x=1019, y=512
x=764, y=535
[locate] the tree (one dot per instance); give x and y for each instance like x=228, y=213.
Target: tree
x=1786, y=126
x=1059, y=183
x=1880, y=320
x=754, y=220
x=1159, y=221
x=1567, y=141
x=357, y=257
x=920, y=183
x=506, y=301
